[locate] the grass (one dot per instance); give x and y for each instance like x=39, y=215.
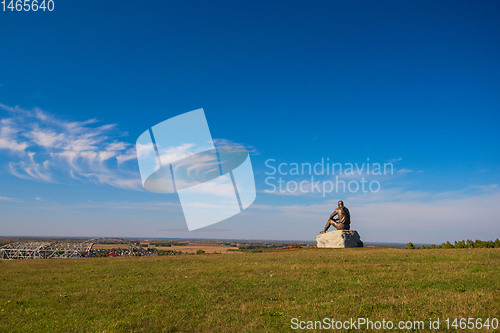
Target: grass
x=246, y=292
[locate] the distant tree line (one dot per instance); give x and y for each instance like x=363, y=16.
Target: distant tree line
x=168, y=243
x=166, y=252
x=269, y=245
x=464, y=244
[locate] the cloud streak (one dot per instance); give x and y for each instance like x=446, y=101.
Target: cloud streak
x=225, y=142
x=8, y=199
x=44, y=148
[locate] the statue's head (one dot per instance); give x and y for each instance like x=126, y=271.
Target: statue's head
x=341, y=203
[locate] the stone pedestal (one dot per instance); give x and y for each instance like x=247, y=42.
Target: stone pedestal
x=339, y=239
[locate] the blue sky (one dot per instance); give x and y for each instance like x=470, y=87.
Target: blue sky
x=411, y=83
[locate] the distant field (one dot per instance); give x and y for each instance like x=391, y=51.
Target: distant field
x=248, y=292
x=193, y=247
x=190, y=248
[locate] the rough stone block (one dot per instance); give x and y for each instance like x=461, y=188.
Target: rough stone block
x=339, y=239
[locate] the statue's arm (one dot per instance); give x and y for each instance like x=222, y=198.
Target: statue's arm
x=333, y=215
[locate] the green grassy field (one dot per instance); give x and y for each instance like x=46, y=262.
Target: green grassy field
x=247, y=292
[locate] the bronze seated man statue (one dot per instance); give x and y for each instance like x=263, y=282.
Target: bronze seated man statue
x=344, y=218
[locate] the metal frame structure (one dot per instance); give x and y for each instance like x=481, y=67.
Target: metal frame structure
x=61, y=250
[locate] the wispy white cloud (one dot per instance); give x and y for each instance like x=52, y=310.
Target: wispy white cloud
x=110, y=179
x=9, y=136
x=172, y=154
x=124, y=205
x=45, y=148
x=225, y=142
x=393, y=160
x=7, y=199
x=487, y=187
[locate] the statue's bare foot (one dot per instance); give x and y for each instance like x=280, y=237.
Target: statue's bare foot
x=321, y=232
